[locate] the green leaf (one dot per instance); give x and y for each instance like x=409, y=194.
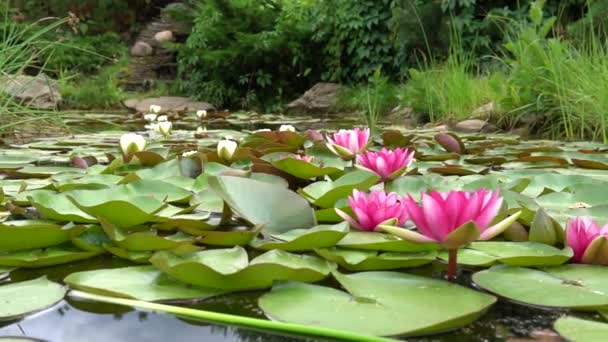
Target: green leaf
x=381, y=242
x=56, y=206
x=273, y=207
x=304, y=239
x=524, y=254
x=303, y=169
x=231, y=268
x=139, y=282
x=580, y=330
x=45, y=257
x=581, y=287
x=378, y=303
x=367, y=260
x=31, y=234
x=325, y=194
x=19, y=299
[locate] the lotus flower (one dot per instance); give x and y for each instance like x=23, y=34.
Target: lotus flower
x=348, y=143
x=131, y=143
x=388, y=164
x=374, y=209
x=226, y=149
x=201, y=114
x=155, y=109
x=287, y=128
x=454, y=219
x=588, y=241
x=164, y=127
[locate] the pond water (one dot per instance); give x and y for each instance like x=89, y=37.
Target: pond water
x=78, y=320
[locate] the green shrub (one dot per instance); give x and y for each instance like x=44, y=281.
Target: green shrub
x=247, y=52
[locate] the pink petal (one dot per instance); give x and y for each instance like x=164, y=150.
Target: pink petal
x=435, y=216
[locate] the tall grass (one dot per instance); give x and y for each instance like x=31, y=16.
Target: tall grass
x=20, y=48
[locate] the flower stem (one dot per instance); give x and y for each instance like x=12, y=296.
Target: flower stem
x=452, y=264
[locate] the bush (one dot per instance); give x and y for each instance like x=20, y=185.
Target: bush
x=245, y=52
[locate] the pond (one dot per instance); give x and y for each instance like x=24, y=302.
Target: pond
x=82, y=179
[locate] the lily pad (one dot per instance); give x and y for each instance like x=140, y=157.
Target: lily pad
x=381, y=242
x=19, y=299
x=273, y=207
x=367, y=260
x=325, y=194
x=303, y=169
x=581, y=287
x=524, y=254
x=138, y=282
x=580, y=330
x=471, y=257
x=56, y=206
x=375, y=301
x=304, y=239
x=45, y=257
x=231, y=269
x=23, y=235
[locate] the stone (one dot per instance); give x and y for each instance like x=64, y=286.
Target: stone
x=318, y=99
x=470, y=126
x=141, y=49
x=39, y=91
x=163, y=37
x=168, y=104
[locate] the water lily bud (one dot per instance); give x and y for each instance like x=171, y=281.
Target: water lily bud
x=226, y=149
x=165, y=128
x=201, y=114
x=155, y=109
x=162, y=118
x=543, y=230
x=516, y=232
x=150, y=117
x=287, y=128
x=131, y=143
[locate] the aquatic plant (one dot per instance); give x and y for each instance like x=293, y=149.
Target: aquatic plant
x=226, y=149
x=375, y=209
x=588, y=241
x=131, y=143
x=348, y=143
x=388, y=164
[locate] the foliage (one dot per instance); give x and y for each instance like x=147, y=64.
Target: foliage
x=244, y=51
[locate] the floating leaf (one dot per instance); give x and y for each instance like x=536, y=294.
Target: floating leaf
x=19, y=299
x=581, y=287
x=580, y=330
x=367, y=260
x=471, y=257
x=45, y=257
x=231, y=269
x=303, y=169
x=56, y=206
x=139, y=282
x=31, y=234
x=304, y=239
x=376, y=300
x=325, y=194
x=524, y=254
x=381, y=242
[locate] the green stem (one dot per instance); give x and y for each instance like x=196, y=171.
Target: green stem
x=237, y=320
x=452, y=264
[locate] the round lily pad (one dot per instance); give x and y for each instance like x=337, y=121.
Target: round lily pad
x=22, y=298
x=367, y=260
x=580, y=330
x=523, y=253
x=304, y=239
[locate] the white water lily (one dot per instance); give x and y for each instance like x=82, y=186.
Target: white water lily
x=189, y=154
x=155, y=109
x=226, y=149
x=131, y=143
x=201, y=114
x=201, y=130
x=150, y=117
x=263, y=130
x=162, y=118
x=287, y=128
x=165, y=128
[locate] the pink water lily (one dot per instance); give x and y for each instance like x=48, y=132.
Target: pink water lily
x=374, y=209
x=588, y=241
x=388, y=164
x=348, y=143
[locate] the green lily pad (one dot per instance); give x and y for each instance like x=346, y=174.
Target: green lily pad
x=471, y=257
x=581, y=287
x=524, y=254
x=56, y=206
x=227, y=238
x=87, y=182
x=273, y=207
x=304, y=239
x=303, y=169
x=368, y=260
x=144, y=240
x=138, y=282
x=231, y=269
x=91, y=239
x=31, y=234
x=136, y=257
x=580, y=330
x=325, y=194
x=381, y=242
x=45, y=257
x=375, y=302
x=19, y=299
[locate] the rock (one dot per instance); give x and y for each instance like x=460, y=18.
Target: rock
x=168, y=104
x=484, y=112
x=318, y=99
x=39, y=91
x=141, y=49
x=470, y=126
x=163, y=37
